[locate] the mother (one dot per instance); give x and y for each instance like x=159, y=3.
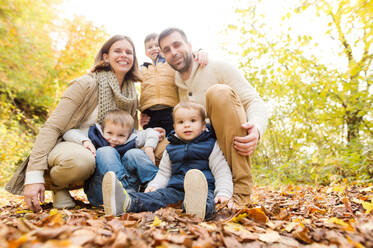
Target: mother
x=66, y=165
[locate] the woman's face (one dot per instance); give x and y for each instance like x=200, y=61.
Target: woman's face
x=120, y=57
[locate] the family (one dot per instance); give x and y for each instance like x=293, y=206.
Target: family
x=201, y=121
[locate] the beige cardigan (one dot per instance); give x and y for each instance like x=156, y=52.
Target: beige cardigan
x=218, y=72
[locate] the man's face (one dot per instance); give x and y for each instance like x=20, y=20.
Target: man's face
x=177, y=52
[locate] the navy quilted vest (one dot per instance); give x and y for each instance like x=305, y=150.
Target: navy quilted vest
x=192, y=155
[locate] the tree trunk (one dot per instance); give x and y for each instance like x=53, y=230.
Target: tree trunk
x=353, y=122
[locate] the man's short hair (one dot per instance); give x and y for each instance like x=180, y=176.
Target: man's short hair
x=190, y=105
x=152, y=36
x=169, y=31
x=118, y=117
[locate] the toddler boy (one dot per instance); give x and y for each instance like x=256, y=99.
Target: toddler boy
x=116, y=147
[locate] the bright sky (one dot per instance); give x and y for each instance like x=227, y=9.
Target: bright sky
x=202, y=20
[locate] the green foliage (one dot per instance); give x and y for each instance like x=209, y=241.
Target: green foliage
x=39, y=55
x=321, y=125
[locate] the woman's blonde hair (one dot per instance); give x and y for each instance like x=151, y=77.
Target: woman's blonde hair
x=118, y=117
x=100, y=65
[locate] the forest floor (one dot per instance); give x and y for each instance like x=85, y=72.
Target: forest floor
x=290, y=216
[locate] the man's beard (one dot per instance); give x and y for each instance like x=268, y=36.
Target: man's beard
x=187, y=63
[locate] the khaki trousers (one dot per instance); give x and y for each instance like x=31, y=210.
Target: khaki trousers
x=227, y=114
x=70, y=164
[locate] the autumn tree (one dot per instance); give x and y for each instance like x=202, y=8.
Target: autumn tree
x=39, y=54
x=318, y=85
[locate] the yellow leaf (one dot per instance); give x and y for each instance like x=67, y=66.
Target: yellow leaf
x=23, y=211
x=346, y=226
x=53, y=212
x=368, y=206
x=239, y=217
x=156, y=221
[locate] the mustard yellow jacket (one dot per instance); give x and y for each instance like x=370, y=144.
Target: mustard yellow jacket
x=158, y=86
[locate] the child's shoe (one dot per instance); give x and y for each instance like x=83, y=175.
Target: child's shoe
x=62, y=199
x=195, y=187
x=116, y=199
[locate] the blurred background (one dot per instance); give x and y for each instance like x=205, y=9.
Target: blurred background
x=310, y=60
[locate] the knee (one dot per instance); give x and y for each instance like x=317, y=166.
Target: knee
x=77, y=168
x=133, y=154
x=105, y=151
x=219, y=93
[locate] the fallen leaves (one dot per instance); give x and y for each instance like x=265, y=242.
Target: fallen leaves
x=293, y=216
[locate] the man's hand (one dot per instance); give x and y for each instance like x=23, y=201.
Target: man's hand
x=221, y=199
x=246, y=145
x=87, y=144
x=149, y=151
x=144, y=119
x=33, y=193
x=162, y=133
x=149, y=189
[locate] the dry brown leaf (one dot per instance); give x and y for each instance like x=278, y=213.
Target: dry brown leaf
x=60, y=244
x=116, y=225
x=270, y=236
x=82, y=236
x=301, y=233
x=121, y=240
x=231, y=242
x=52, y=233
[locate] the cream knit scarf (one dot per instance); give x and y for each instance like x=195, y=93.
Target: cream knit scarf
x=110, y=97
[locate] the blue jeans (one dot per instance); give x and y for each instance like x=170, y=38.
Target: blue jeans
x=160, y=198
x=133, y=170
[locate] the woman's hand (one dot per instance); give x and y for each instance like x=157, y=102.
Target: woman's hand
x=87, y=144
x=150, y=152
x=33, y=193
x=149, y=189
x=221, y=199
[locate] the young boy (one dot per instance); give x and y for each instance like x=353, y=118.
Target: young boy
x=192, y=169
x=116, y=147
x=158, y=90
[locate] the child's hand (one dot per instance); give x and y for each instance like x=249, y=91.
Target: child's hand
x=87, y=144
x=161, y=131
x=149, y=189
x=149, y=151
x=201, y=58
x=221, y=199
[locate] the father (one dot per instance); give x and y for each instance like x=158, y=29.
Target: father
x=235, y=109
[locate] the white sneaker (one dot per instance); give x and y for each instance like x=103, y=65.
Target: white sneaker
x=63, y=199
x=116, y=198
x=195, y=187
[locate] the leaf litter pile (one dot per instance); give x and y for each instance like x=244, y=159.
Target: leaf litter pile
x=292, y=216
